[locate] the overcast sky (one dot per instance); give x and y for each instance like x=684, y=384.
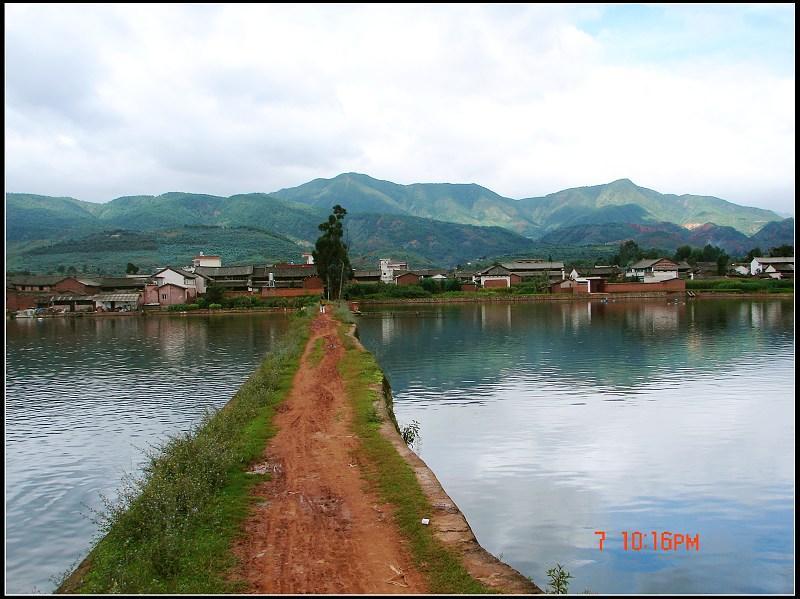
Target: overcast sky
x=104, y=101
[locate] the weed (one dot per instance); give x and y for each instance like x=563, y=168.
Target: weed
x=559, y=580
x=410, y=433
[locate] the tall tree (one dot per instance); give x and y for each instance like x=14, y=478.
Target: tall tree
x=330, y=254
x=131, y=269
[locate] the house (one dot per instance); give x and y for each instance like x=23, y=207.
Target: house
x=31, y=291
x=231, y=278
x=202, y=260
x=367, y=276
x=740, y=268
x=436, y=274
x=287, y=280
x=653, y=270
x=388, y=266
x=168, y=294
x=530, y=269
x=117, y=302
x=178, y=276
x=604, y=272
x=497, y=275
x=72, y=303
x=776, y=268
x=406, y=278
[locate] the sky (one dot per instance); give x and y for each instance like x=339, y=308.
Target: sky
x=105, y=101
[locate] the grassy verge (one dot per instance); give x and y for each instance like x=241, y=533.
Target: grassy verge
x=170, y=531
x=742, y=285
x=395, y=481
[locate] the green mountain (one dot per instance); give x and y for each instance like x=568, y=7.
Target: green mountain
x=457, y=203
x=426, y=242
x=619, y=201
x=171, y=228
x=428, y=224
x=110, y=251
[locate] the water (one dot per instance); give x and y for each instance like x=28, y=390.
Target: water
x=84, y=397
x=548, y=422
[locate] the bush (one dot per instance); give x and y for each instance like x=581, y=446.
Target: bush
x=742, y=285
x=215, y=306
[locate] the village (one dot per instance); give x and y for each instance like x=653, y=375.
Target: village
x=169, y=286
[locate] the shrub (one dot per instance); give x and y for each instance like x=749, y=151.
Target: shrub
x=215, y=306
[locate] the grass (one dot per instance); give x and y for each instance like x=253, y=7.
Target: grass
x=394, y=480
x=170, y=531
x=742, y=285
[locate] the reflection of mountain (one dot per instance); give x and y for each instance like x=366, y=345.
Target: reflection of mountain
x=617, y=345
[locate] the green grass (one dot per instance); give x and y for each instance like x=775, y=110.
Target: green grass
x=742, y=285
x=394, y=480
x=171, y=530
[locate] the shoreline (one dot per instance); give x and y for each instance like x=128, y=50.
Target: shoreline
x=611, y=298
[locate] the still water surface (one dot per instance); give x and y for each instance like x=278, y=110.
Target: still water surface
x=548, y=422
x=84, y=397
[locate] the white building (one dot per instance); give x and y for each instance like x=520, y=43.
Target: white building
x=203, y=260
x=182, y=278
x=388, y=267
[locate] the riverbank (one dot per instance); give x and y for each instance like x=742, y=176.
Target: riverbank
x=315, y=497
x=557, y=297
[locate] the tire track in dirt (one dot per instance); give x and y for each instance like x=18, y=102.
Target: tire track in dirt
x=314, y=527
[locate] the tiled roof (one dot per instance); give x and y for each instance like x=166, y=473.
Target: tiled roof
x=121, y=282
x=785, y=259
x=116, y=297
x=519, y=265
x=36, y=279
x=224, y=271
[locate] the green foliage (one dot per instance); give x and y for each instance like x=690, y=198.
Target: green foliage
x=742, y=285
x=559, y=580
x=131, y=269
x=754, y=253
x=384, y=291
x=170, y=531
x=214, y=306
x=330, y=254
x=214, y=293
x=781, y=251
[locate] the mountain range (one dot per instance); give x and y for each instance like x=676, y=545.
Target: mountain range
x=425, y=223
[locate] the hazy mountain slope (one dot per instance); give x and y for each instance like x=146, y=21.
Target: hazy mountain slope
x=774, y=234
x=458, y=203
x=30, y=217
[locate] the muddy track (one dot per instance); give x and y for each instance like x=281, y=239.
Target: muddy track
x=315, y=528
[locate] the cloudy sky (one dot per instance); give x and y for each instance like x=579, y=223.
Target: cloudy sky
x=104, y=101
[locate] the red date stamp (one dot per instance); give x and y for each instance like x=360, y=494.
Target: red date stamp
x=636, y=540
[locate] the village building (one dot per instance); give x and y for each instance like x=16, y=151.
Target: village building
x=406, y=278
x=178, y=276
x=776, y=268
x=651, y=270
x=604, y=272
x=203, y=260
x=287, y=280
x=388, y=266
x=366, y=276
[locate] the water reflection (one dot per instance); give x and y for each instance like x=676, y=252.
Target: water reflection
x=546, y=422
x=84, y=396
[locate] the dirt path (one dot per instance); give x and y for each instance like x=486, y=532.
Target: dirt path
x=316, y=529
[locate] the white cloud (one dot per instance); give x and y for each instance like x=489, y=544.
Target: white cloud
x=522, y=99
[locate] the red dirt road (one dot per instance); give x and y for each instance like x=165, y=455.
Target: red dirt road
x=316, y=528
